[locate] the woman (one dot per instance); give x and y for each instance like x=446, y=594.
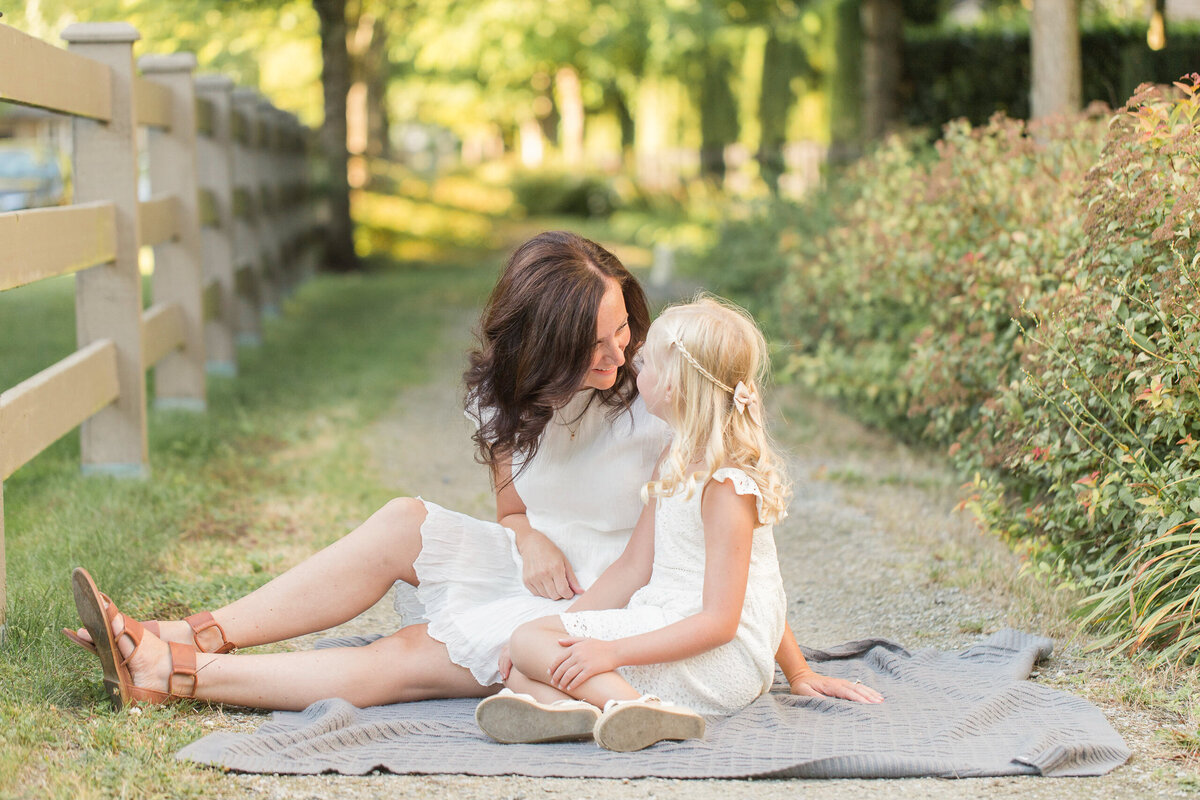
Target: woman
x=569, y=445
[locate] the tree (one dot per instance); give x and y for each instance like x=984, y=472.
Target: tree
x=843, y=78
x=335, y=83
x=1057, y=68
x=775, y=98
x=883, y=40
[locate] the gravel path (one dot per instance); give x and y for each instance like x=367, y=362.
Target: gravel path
x=871, y=548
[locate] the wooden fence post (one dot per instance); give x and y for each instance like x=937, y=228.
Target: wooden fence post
x=179, y=378
x=108, y=297
x=268, y=192
x=214, y=165
x=3, y=576
x=283, y=221
x=315, y=212
x=248, y=255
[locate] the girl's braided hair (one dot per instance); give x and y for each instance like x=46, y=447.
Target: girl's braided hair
x=707, y=353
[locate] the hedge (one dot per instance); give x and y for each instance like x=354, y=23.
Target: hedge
x=975, y=73
x=1025, y=296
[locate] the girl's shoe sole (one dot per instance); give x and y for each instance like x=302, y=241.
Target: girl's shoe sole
x=637, y=726
x=515, y=720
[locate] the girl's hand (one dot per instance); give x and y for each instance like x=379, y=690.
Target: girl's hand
x=582, y=659
x=812, y=684
x=546, y=572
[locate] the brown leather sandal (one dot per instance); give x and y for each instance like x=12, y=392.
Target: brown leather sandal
x=118, y=681
x=197, y=622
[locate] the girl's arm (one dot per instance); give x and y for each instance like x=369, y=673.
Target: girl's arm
x=729, y=521
x=630, y=572
x=803, y=680
x=546, y=573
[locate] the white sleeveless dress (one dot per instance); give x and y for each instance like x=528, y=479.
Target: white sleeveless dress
x=582, y=491
x=727, y=678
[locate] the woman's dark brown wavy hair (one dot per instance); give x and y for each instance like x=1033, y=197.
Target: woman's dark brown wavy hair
x=537, y=337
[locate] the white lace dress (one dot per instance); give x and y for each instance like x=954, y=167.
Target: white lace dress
x=582, y=490
x=729, y=677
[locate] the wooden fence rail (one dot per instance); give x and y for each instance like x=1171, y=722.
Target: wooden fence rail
x=232, y=221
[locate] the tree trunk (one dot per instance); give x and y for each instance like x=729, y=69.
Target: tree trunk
x=335, y=82
x=775, y=100
x=718, y=116
x=842, y=80
x=569, y=100
x=1156, y=36
x=627, y=122
x=1056, y=66
x=883, y=35
x=369, y=72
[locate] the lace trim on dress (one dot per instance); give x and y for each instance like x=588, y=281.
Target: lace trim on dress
x=743, y=484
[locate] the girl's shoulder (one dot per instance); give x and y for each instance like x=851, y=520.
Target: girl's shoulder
x=733, y=481
x=738, y=479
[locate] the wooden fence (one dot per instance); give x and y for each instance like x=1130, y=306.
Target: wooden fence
x=232, y=220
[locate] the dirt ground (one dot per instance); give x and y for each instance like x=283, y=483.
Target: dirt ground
x=872, y=547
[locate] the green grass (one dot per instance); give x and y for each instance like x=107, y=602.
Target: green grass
x=275, y=468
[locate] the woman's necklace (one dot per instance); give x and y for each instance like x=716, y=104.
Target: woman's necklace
x=578, y=420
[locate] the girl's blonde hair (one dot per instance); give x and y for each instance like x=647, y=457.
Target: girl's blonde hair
x=702, y=350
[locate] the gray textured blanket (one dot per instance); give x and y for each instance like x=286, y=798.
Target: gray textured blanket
x=961, y=714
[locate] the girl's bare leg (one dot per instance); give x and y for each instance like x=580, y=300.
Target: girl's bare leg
x=330, y=587
x=542, y=692
x=405, y=666
x=535, y=649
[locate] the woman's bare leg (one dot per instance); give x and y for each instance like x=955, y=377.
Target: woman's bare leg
x=405, y=666
x=333, y=585
x=330, y=587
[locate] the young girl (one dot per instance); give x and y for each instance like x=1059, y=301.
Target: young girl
x=694, y=608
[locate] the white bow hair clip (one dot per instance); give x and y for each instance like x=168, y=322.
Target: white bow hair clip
x=743, y=398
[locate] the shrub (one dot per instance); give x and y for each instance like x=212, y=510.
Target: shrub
x=1024, y=295
x=549, y=193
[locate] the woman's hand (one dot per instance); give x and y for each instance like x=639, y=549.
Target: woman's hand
x=504, y=662
x=813, y=684
x=582, y=659
x=546, y=573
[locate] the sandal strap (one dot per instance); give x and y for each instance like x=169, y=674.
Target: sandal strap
x=110, y=608
x=201, y=622
x=133, y=629
x=183, y=663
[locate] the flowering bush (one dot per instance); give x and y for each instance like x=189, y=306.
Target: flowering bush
x=1025, y=295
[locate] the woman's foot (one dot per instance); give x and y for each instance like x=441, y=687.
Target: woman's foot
x=200, y=631
x=628, y=725
x=137, y=666
x=149, y=663
x=512, y=718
